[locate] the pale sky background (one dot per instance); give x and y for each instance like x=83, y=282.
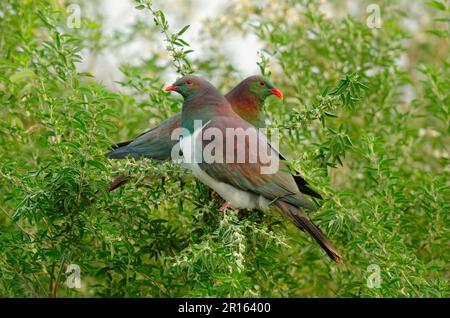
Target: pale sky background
x=241, y=49
x=119, y=14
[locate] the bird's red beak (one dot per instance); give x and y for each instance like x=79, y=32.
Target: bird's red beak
x=171, y=88
x=277, y=93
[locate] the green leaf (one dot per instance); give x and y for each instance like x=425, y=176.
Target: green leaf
x=97, y=164
x=85, y=74
x=183, y=42
x=330, y=115
x=363, y=86
x=22, y=75
x=163, y=17
x=79, y=123
x=183, y=30
x=436, y=4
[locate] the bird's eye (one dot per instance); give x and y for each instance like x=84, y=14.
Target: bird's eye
x=188, y=82
x=262, y=83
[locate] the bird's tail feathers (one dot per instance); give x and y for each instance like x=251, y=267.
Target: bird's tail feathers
x=303, y=222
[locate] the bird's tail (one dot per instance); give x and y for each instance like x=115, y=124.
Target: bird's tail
x=304, y=223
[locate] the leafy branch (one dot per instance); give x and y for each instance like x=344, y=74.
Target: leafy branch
x=176, y=46
x=263, y=64
x=345, y=94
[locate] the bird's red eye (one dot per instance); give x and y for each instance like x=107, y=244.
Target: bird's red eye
x=188, y=82
x=262, y=83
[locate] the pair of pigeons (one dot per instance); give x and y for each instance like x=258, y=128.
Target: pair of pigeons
x=241, y=184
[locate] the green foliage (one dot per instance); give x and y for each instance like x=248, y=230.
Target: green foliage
x=380, y=160
x=175, y=44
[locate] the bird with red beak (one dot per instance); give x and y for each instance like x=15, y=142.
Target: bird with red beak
x=246, y=100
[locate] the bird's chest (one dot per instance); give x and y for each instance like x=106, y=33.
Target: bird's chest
x=192, y=149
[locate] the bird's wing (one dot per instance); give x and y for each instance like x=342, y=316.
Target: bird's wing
x=156, y=143
x=246, y=174
x=127, y=142
x=302, y=184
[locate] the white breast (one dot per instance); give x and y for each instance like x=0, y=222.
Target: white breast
x=236, y=197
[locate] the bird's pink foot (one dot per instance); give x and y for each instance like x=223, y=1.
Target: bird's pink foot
x=224, y=206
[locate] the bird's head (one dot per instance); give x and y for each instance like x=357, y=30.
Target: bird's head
x=188, y=86
x=262, y=87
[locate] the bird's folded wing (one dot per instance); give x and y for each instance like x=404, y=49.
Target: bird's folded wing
x=247, y=176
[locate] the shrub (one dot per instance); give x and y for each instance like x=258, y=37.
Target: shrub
x=379, y=159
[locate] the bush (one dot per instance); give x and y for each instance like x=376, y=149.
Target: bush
x=379, y=157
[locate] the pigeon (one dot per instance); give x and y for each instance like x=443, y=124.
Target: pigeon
x=241, y=183
x=246, y=99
